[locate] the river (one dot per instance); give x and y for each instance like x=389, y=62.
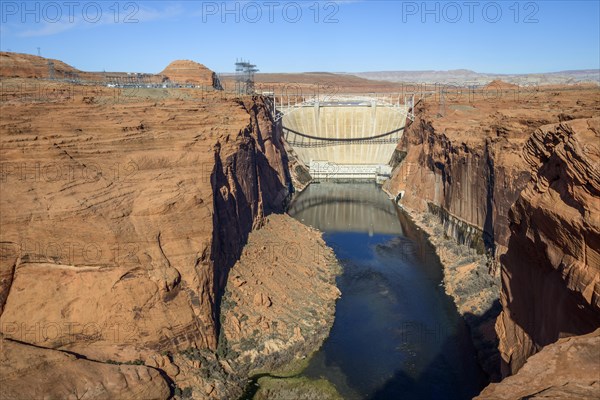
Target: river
x=396, y=334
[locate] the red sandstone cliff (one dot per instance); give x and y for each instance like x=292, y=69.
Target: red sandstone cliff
x=468, y=162
x=121, y=218
x=567, y=369
x=551, y=271
x=19, y=65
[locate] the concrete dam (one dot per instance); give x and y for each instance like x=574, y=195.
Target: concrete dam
x=345, y=137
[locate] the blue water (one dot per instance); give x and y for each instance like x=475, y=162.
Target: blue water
x=396, y=334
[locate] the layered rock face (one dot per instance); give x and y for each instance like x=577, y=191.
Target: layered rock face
x=249, y=180
x=463, y=161
x=551, y=272
x=468, y=176
x=43, y=371
x=567, y=369
x=465, y=155
x=121, y=199
x=122, y=214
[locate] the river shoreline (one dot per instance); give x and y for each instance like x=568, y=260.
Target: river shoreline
x=287, y=379
x=392, y=297
x=467, y=279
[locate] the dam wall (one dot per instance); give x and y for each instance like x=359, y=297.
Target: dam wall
x=349, y=137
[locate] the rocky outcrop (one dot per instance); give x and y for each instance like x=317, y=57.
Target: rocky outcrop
x=567, y=369
x=29, y=372
x=268, y=292
x=121, y=218
x=277, y=309
x=462, y=169
x=249, y=181
x=19, y=65
x=187, y=71
x=551, y=271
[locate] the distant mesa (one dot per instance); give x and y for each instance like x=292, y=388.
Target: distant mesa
x=498, y=84
x=187, y=71
x=471, y=78
x=19, y=65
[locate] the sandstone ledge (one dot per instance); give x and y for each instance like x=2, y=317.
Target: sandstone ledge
x=567, y=369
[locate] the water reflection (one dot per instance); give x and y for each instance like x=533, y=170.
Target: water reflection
x=356, y=207
x=396, y=334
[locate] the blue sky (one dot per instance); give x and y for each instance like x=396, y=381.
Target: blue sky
x=300, y=36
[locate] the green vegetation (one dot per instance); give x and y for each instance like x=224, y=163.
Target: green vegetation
x=134, y=362
x=185, y=393
x=293, y=368
x=296, y=388
x=192, y=354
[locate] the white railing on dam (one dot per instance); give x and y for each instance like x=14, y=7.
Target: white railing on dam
x=327, y=170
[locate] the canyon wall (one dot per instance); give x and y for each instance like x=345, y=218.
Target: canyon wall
x=551, y=272
x=466, y=163
x=469, y=179
x=122, y=215
x=249, y=180
x=566, y=369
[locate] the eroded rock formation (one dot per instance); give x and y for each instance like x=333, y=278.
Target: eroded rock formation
x=567, y=369
x=29, y=372
x=187, y=71
x=19, y=65
x=271, y=315
x=467, y=161
x=551, y=271
x=122, y=214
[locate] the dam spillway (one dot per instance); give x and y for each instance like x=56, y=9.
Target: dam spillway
x=345, y=137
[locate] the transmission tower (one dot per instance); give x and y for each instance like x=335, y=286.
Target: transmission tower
x=244, y=77
x=442, y=110
x=51, y=70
